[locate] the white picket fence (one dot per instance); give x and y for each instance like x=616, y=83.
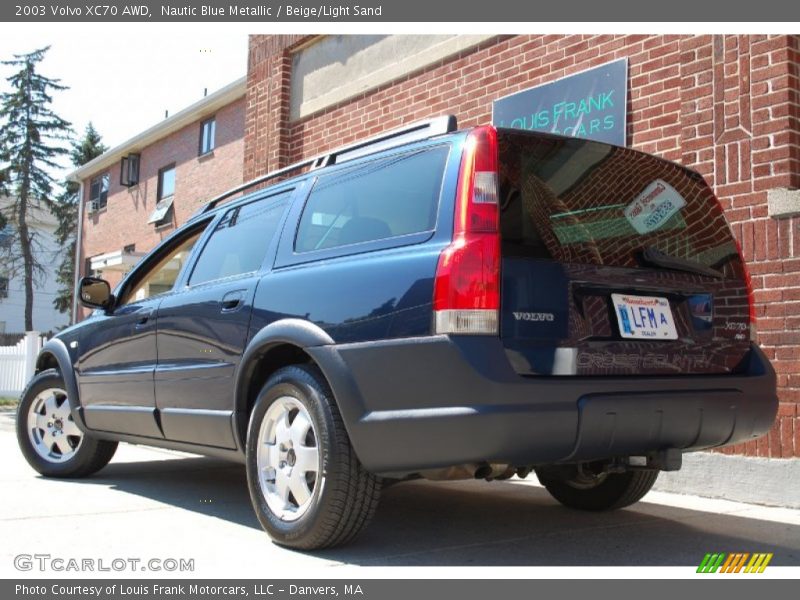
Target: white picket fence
x=17, y=363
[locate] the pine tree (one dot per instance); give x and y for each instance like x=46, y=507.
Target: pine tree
x=66, y=210
x=30, y=144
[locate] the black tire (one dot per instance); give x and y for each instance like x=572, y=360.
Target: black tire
x=91, y=454
x=613, y=491
x=344, y=495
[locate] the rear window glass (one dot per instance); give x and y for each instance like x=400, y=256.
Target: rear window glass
x=578, y=201
x=384, y=198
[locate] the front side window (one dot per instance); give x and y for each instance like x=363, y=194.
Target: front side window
x=385, y=198
x=161, y=277
x=240, y=240
x=98, y=192
x=162, y=215
x=208, y=130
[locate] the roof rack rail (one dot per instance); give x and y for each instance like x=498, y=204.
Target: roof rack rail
x=402, y=135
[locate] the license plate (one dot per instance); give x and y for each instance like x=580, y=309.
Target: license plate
x=644, y=317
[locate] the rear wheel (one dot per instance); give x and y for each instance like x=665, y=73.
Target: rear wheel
x=49, y=438
x=576, y=488
x=308, y=488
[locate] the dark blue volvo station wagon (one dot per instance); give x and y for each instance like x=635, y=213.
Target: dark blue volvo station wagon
x=428, y=303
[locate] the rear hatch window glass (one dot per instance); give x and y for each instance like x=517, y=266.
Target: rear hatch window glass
x=577, y=201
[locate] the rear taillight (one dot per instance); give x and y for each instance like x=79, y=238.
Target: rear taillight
x=748, y=282
x=466, y=298
x=751, y=299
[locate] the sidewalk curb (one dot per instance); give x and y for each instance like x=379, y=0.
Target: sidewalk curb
x=767, y=481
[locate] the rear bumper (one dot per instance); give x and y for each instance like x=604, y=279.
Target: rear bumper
x=430, y=402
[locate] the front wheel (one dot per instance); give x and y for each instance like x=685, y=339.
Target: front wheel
x=307, y=486
x=49, y=438
x=576, y=488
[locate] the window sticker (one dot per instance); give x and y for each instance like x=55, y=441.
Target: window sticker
x=653, y=207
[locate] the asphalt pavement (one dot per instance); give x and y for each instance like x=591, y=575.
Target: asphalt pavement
x=157, y=504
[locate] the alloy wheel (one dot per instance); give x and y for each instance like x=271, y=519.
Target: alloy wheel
x=288, y=459
x=51, y=429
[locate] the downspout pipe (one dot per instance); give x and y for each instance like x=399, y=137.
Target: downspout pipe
x=78, y=254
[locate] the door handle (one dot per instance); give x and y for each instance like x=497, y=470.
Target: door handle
x=143, y=319
x=228, y=305
x=232, y=301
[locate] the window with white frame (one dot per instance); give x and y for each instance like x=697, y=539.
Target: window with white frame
x=6, y=236
x=129, y=170
x=208, y=132
x=162, y=215
x=98, y=192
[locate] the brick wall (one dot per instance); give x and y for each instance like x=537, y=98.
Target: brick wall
x=740, y=130
x=267, y=129
x=727, y=106
x=197, y=180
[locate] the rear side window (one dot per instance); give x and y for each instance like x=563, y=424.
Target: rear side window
x=240, y=240
x=381, y=199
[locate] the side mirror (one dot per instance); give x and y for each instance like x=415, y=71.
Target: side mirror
x=95, y=292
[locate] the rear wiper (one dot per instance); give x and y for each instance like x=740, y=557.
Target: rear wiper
x=657, y=258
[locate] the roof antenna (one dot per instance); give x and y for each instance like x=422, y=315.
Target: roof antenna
x=166, y=114
x=205, y=92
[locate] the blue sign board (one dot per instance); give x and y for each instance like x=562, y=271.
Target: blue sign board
x=590, y=104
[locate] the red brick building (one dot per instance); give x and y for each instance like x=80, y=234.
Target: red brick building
x=179, y=163
x=725, y=105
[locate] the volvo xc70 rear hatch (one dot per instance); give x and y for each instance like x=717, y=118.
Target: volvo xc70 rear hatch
x=615, y=262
